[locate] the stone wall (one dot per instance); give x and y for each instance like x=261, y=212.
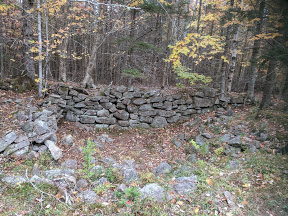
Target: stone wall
x=132, y=107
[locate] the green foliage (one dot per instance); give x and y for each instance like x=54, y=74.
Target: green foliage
x=102, y=188
x=132, y=193
x=88, y=151
x=219, y=151
x=134, y=73
x=112, y=174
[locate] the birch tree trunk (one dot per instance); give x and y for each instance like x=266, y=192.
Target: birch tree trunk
x=233, y=60
x=255, y=54
x=40, y=86
x=47, y=66
x=1, y=50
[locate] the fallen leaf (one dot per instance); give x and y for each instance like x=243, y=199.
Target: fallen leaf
x=180, y=203
x=209, y=181
x=245, y=202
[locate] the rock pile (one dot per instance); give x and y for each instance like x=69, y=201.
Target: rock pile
x=39, y=134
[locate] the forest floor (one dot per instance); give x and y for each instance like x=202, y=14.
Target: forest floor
x=242, y=183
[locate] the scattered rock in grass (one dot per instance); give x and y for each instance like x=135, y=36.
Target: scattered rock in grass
x=68, y=140
x=101, y=181
x=122, y=188
x=153, y=191
x=70, y=164
x=89, y=196
x=179, y=140
x=97, y=170
x=230, y=199
x=55, y=151
x=129, y=173
x=162, y=168
x=82, y=184
x=185, y=185
x=229, y=112
x=200, y=140
x=192, y=158
x=14, y=180
x=207, y=135
x=32, y=155
x=7, y=140
x=234, y=164
x=109, y=160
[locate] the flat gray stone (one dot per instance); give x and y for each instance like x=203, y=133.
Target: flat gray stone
x=185, y=185
x=121, y=114
x=55, y=151
x=70, y=164
x=89, y=197
x=85, y=119
x=162, y=168
x=7, y=140
x=159, y=122
x=103, y=113
x=138, y=101
x=154, y=192
x=68, y=140
x=14, y=180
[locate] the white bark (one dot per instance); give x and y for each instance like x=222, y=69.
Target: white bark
x=40, y=51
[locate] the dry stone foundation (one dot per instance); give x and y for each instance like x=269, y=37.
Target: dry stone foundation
x=132, y=107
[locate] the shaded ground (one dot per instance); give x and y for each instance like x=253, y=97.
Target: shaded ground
x=258, y=185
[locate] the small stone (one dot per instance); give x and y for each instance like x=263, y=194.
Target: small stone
x=32, y=155
x=153, y=191
x=185, y=185
x=14, y=180
x=233, y=165
x=89, y=197
x=7, y=140
x=162, y=168
x=207, y=135
x=82, y=184
x=122, y=188
x=69, y=163
x=229, y=112
x=101, y=181
x=54, y=150
x=192, y=158
x=200, y=140
x=42, y=149
x=68, y=140
x=97, y=170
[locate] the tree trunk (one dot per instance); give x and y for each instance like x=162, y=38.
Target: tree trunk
x=64, y=47
x=269, y=84
x=47, y=66
x=285, y=90
x=1, y=50
x=255, y=54
x=88, y=79
x=199, y=16
x=40, y=86
x=63, y=60
x=27, y=29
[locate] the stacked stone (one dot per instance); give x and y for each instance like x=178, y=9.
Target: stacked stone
x=132, y=107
